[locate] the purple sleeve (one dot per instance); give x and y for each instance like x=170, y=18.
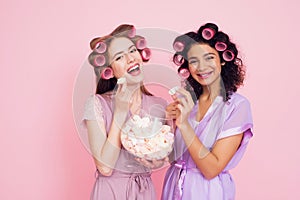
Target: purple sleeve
x=239, y=121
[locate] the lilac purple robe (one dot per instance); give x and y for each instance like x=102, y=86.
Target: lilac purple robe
x=129, y=180
x=183, y=179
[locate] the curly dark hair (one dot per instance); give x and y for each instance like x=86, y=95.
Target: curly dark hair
x=232, y=72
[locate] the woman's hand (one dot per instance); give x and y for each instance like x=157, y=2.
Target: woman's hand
x=121, y=103
x=184, y=106
x=122, y=98
x=171, y=110
x=153, y=164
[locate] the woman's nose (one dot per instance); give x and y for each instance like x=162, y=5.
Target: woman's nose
x=200, y=66
x=129, y=58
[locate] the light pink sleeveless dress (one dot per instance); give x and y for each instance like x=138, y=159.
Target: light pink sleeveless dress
x=130, y=180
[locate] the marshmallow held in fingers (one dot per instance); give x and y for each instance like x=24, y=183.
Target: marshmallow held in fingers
x=173, y=90
x=121, y=80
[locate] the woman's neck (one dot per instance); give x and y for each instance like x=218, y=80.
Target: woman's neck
x=210, y=92
x=136, y=96
x=135, y=102
x=135, y=91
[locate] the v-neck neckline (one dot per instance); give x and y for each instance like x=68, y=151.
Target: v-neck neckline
x=211, y=108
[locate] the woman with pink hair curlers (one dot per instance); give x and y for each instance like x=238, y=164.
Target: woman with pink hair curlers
x=214, y=125
x=118, y=64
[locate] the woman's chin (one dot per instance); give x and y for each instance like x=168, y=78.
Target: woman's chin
x=136, y=79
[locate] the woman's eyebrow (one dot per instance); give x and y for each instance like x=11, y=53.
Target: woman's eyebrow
x=207, y=54
x=193, y=57
x=120, y=52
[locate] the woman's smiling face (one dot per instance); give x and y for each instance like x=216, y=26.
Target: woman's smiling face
x=204, y=64
x=125, y=60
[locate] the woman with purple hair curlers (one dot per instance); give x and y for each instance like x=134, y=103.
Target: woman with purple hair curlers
x=214, y=127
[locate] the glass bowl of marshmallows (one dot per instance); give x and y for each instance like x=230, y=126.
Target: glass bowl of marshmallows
x=147, y=137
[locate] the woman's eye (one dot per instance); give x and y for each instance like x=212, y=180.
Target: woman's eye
x=193, y=62
x=119, y=57
x=133, y=50
x=209, y=58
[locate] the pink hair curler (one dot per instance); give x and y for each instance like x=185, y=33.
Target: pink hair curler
x=184, y=73
x=178, y=60
x=141, y=43
x=146, y=54
x=107, y=73
x=238, y=61
x=132, y=32
x=228, y=55
x=220, y=46
x=178, y=46
x=208, y=33
x=100, y=47
x=99, y=60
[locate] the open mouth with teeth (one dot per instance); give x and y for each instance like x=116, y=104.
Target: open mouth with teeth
x=204, y=75
x=134, y=70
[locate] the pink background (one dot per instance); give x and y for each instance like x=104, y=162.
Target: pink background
x=44, y=43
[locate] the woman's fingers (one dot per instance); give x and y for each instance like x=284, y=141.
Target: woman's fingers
x=153, y=164
x=122, y=93
x=172, y=111
x=121, y=86
x=186, y=100
x=180, y=107
x=174, y=97
x=124, y=86
x=166, y=159
x=171, y=107
x=147, y=163
x=183, y=102
x=158, y=163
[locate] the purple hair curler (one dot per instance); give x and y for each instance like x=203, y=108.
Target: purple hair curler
x=100, y=47
x=184, y=73
x=146, y=54
x=107, y=73
x=228, y=55
x=99, y=60
x=220, y=46
x=178, y=46
x=208, y=33
x=141, y=43
x=132, y=32
x=178, y=60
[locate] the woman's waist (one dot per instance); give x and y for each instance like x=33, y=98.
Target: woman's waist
x=190, y=167
x=124, y=174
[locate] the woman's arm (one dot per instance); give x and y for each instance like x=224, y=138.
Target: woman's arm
x=213, y=162
x=210, y=163
x=105, y=146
